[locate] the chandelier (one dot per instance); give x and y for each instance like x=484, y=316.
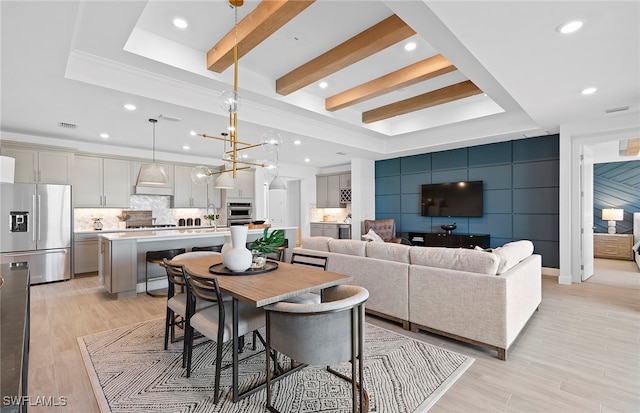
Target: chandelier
x=230, y=102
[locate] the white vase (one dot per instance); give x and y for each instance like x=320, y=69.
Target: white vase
x=226, y=247
x=238, y=258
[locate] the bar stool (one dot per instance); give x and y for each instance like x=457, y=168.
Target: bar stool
x=215, y=248
x=157, y=257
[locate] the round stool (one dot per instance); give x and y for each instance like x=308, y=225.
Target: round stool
x=156, y=257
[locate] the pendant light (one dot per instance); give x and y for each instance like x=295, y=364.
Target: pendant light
x=153, y=174
x=278, y=183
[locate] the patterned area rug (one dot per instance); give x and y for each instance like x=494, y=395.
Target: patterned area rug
x=130, y=372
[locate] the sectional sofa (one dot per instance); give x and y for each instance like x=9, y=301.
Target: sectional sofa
x=476, y=296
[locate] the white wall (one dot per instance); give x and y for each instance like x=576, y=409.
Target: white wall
x=363, y=203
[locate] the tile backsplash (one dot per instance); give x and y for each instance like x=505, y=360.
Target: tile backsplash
x=159, y=205
x=329, y=214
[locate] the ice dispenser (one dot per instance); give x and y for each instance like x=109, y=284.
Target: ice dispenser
x=19, y=221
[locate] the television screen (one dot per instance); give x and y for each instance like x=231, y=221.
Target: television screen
x=452, y=199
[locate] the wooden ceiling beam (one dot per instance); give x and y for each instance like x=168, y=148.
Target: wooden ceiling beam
x=261, y=23
x=374, y=39
x=633, y=147
x=418, y=72
x=426, y=100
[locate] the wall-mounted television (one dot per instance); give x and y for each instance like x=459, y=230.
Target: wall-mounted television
x=452, y=199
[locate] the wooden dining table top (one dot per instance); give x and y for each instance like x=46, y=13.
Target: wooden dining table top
x=287, y=281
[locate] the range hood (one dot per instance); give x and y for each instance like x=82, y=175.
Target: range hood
x=153, y=180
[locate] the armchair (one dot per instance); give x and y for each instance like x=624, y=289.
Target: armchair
x=386, y=229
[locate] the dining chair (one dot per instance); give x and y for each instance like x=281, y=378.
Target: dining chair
x=177, y=310
x=212, y=321
x=328, y=333
x=157, y=257
x=315, y=261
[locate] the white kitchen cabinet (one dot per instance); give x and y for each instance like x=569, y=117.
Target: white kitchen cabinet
x=328, y=191
x=85, y=253
x=214, y=196
x=244, y=185
x=41, y=166
x=187, y=194
x=345, y=181
x=101, y=182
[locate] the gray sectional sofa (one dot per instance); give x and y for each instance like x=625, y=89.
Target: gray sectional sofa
x=480, y=297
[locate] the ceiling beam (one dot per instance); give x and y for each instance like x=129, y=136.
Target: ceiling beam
x=426, y=100
x=633, y=147
x=407, y=76
x=374, y=39
x=261, y=23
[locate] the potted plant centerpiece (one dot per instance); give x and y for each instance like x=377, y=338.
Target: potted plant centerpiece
x=212, y=219
x=268, y=243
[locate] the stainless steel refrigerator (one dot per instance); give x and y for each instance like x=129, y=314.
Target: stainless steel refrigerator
x=35, y=228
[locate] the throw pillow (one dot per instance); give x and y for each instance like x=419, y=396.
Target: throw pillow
x=372, y=236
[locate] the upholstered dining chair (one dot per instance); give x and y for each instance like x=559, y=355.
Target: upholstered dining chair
x=212, y=322
x=386, y=229
x=328, y=333
x=177, y=311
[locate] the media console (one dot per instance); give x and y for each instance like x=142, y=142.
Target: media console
x=441, y=239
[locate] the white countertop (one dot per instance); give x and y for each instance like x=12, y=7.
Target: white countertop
x=182, y=232
x=111, y=230
x=331, y=222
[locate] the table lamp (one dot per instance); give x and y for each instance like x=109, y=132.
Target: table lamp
x=612, y=215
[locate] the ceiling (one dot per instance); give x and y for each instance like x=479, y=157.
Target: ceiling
x=78, y=63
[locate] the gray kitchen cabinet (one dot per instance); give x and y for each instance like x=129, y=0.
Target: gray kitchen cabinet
x=85, y=253
x=187, y=194
x=328, y=191
x=101, y=182
x=244, y=185
x=324, y=230
x=41, y=166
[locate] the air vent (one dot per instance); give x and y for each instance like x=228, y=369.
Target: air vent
x=620, y=109
x=173, y=118
x=67, y=125
x=340, y=153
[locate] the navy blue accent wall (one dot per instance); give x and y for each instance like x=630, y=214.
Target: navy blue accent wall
x=616, y=185
x=521, y=188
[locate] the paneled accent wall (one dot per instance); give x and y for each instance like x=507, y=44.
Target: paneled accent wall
x=616, y=185
x=521, y=189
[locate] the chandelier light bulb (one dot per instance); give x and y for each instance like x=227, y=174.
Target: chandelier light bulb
x=271, y=141
x=230, y=101
x=201, y=175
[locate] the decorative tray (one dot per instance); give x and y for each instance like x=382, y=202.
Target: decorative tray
x=220, y=269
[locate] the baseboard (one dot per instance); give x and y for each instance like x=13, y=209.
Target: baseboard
x=555, y=272
x=153, y=285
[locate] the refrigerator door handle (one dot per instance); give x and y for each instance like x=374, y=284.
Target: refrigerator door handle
x=39, y=212
x=32, y=229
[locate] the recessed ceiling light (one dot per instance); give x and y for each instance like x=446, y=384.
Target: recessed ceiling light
x=130, y=106
x=307, y=160
x=570, y=27
x=410, y=46
x=193, y=133
x=180, y=23
x=104, y=135
x=186, y=147
x=323, y=85
x=245, y=156
x=297, y=142
x=588, y=91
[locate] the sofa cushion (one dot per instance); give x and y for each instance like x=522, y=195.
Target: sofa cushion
x=372, y=236
x=512, y=253
x=316, y=243
x=348, y=247
x=455, y=259
x=388, y=251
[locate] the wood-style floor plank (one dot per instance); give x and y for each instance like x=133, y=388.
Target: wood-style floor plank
x=579, y=353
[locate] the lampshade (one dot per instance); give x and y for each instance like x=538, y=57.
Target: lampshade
x=613, y=214
x=7, y=169
x=224, y=181
x=277, y=184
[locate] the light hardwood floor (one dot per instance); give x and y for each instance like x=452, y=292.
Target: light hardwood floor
x=579, y=352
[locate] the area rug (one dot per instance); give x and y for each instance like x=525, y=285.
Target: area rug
x=130, y=372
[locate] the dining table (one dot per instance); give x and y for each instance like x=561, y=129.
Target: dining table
x=260, y=288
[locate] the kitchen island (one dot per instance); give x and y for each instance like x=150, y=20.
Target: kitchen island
x=122, y=261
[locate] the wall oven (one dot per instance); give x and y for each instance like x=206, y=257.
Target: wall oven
x=239, y=213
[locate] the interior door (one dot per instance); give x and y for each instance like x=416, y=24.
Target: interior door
x=586, y=210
